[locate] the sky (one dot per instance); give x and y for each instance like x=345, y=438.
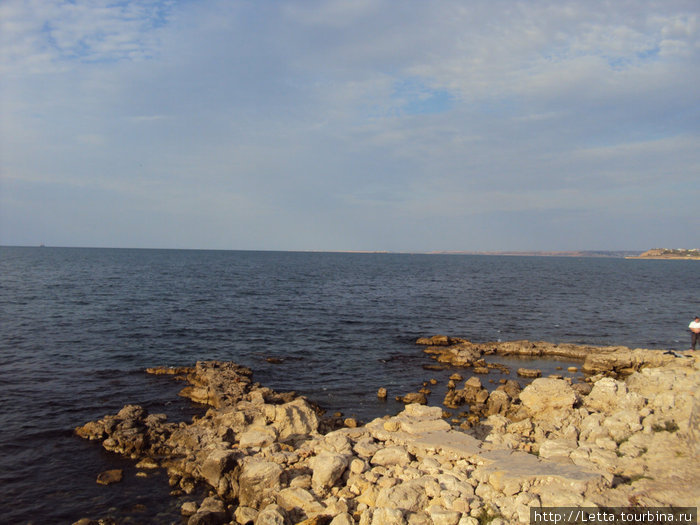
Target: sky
x=412, y=125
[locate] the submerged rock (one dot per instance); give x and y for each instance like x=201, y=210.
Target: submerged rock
x=529, y=372
x=110, y=476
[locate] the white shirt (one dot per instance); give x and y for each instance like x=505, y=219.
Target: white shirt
x=694, y=326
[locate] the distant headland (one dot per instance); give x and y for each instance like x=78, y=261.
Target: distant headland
x=666, y=253
x=574, y=253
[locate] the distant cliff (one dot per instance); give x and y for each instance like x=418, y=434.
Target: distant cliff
x=666, y=253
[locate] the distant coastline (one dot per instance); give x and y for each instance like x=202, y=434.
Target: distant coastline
x=670, y=254
x=576, y=253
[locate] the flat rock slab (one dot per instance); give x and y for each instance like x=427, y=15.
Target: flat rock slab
x=506, y=469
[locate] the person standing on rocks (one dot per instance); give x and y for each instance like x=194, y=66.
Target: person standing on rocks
x=694, y=332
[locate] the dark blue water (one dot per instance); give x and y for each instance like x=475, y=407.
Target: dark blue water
x=78, y=327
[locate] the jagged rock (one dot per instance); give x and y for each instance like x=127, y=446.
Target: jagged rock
x=259, y=481
x=462, y=354
x=295, y=418
x=391, y=456
x=216, y=464
x=414, y=397
x=437, y=340
x=498, y=402
x=407, y=496
x=297, y=498
x=270, y=515
x=343, y=519
x=258, y=437
x=413, y=468
x=441, y=516
x=511, y=387
x=244, y=515
x=188, y=508
x=211, y=512
x=327, y=469
x=608, y=395
x=545, y=394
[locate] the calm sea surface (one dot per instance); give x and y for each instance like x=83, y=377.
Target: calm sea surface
x=78, y=327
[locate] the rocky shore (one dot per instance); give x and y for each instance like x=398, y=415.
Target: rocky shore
x=627, y=436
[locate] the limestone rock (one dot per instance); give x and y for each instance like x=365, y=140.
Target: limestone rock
x=211, y=512
x=216, y=464
x=391, y=456
x=387, y=516
x=295, y=418
x=546, y=394
x=529, y=372
x=259, y=481
x=297, y=498
x=327, y=469
x=109, y=476
x=270, y=515
x=406, y=496
x=609, y=395
x=258, y=437
x=414, y=397
x=498, y=402
x=436, y=340
x=343, y=519
x=441, y=516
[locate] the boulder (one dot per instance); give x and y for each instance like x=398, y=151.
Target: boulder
x=211, y=512
x=243, y=515
x=546, y=394
x=497, y=403
x=414, y=397
x=407, y=496
x=216, y=465
x=391, y=456
x=294, y=419
x=441, y=516
x=327, y=469
x=258, y=437
x=259, y=481
x=609, y=395
x=299, y=499
x=343, y=519
x=387, y=516
x=271, y=515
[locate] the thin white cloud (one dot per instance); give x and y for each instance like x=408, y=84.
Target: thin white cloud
x=44, y=33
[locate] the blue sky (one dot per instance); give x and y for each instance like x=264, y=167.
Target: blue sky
x=350, y=124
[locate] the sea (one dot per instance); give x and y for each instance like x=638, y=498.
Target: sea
x=78, y=326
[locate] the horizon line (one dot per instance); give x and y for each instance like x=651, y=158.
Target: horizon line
x=571, y=253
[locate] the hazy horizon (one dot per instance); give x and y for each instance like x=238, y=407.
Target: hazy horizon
x=433, y=252
x=342, y=125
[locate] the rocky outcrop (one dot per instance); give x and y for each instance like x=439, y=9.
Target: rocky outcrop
x=264, y=460
x=641, y=433
x=617, y=361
